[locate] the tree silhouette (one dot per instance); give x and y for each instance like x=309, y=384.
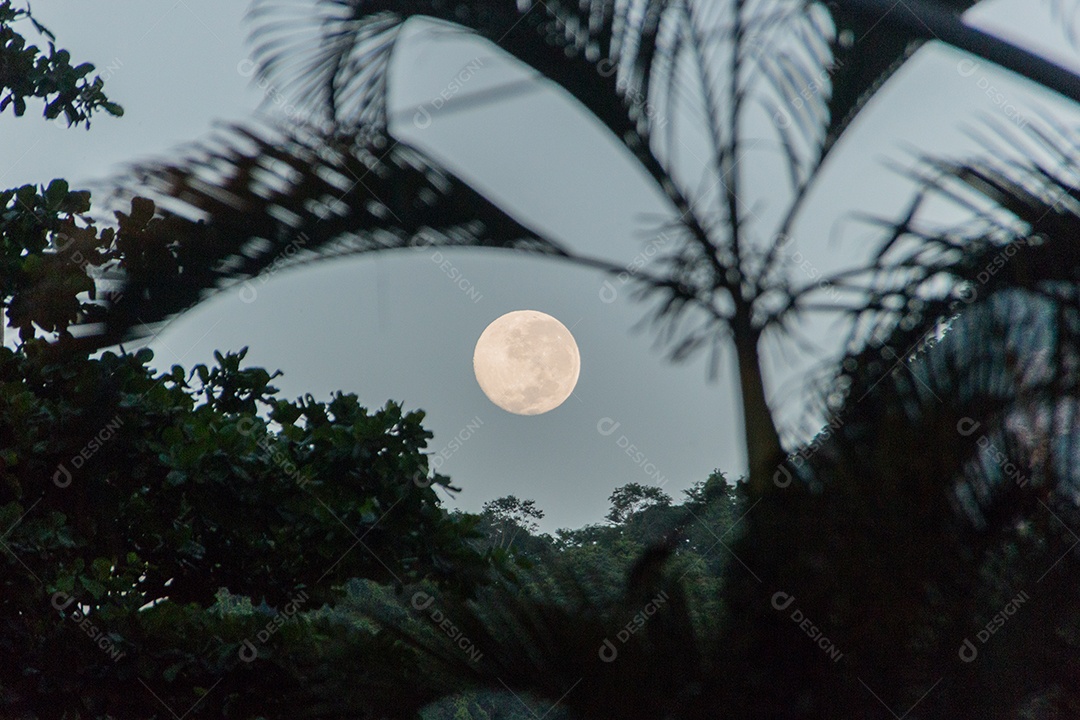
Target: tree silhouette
x=871, y=561
x=27, y=72
x=633, y=497
x=507, y=516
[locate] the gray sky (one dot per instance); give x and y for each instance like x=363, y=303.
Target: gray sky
x=397, y=326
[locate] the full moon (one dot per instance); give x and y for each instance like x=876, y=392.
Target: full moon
x=527, y=362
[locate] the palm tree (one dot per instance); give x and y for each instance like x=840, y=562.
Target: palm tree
x=872, y=560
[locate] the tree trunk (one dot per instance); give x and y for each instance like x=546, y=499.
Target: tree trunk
x=763, y=450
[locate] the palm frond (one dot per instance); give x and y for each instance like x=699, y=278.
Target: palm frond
x=947, y=473
x=946, y=481
x=867, y=42
x=600, y=52
x=258, y=201
x=545, y=636
x=865, y=54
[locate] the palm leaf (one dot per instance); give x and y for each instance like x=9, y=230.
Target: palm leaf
x=602, y=53
x=946, y=477
x=866, y=53
x=545, y=636
x=259, y=201
x=596, y=51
